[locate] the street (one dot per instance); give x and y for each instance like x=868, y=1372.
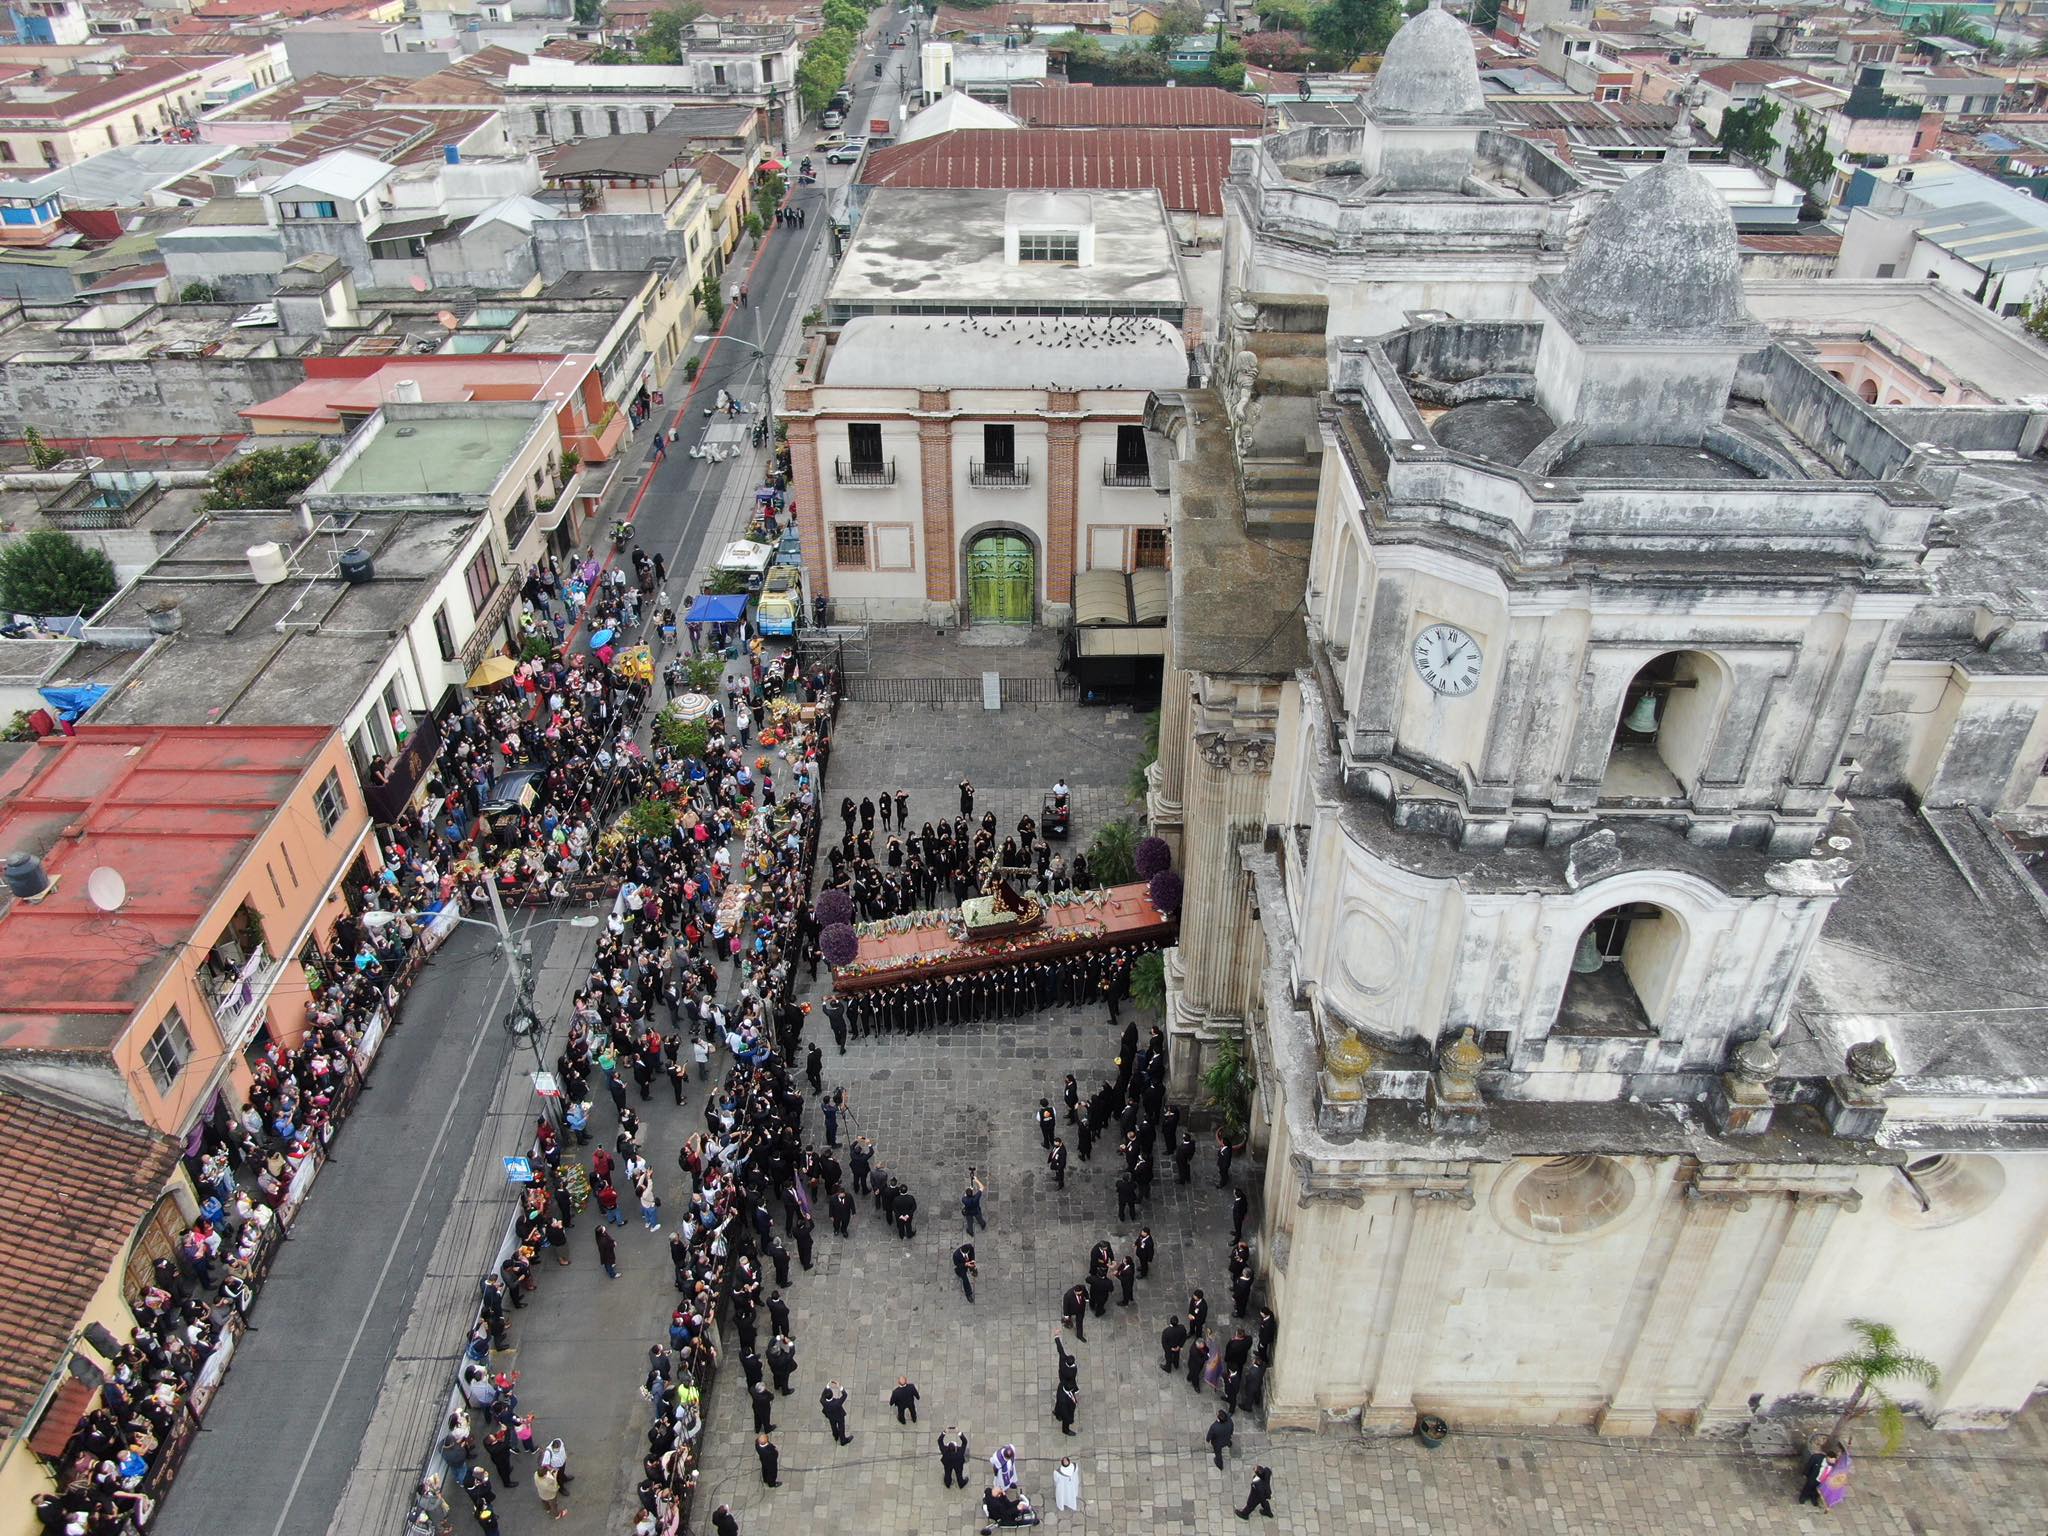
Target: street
x=333, y=1401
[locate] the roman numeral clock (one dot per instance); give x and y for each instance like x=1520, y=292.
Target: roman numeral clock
x=1448, y=659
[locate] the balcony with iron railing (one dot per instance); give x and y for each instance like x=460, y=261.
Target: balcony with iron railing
x=1137, y=477
x=864, y=471
x=1011, y=476
x=237, y=996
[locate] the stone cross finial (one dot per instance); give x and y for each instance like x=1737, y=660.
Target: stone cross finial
x=1688, y=100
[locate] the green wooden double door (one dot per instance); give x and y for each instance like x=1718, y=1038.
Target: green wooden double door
x=1002, y=575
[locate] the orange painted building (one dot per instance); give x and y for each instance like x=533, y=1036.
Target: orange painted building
x=231, y=847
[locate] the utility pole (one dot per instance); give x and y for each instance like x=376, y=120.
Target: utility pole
x=524, y=1019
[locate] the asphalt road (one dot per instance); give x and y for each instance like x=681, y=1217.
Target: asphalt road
x=279, y=1443
x=331, y=1312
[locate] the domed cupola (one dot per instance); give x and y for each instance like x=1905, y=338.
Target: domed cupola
x=1425, y=109
x=1647, y=321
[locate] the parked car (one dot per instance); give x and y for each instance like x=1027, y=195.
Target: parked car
x=848, y=153
x=830, y=140
x=830, y=119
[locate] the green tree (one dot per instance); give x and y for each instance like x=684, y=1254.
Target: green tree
x=712, y=299
x=589, y=13
x=1148, y=981
x=1112, y=856
x=40, y=454
x=269, y=477
x=1226, y=66
x=661, y=40
x=1344, y=30
x=652, y=816
x=2035, y=316
x=1746, y=131
x=1227, y=1086
x=1177, y=22
x=1486, y=14
x=1868, y=1372
x=1809, y=163
x=49, y=573
x=199, y=293
x=1285, y=15
x=1947, y=21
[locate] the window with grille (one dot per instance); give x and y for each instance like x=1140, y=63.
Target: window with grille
x=481, y=578
x=850, y=546
x=168, y=1049
x=1046, y=246
x=1150, y=548
x=331, y=801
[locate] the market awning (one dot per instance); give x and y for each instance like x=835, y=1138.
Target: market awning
x=710, y=609
x=771, y=166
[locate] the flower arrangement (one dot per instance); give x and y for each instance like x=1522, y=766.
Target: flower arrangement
x=1165, y=890
x=838, y=945
x=1152, y=857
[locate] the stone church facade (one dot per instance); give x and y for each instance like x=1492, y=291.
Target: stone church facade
x=1603, y=798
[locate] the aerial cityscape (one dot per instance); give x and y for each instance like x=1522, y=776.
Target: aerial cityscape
x=1278, y=765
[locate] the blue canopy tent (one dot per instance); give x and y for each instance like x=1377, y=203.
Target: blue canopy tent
x=717, y=610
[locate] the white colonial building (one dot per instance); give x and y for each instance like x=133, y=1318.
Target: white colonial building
x=967, y=429
x=1607, y=827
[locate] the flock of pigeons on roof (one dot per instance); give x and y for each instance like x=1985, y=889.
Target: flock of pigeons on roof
x=1062, y=330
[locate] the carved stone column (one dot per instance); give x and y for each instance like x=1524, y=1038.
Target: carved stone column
x=1226, y=800
x=1633, y=1410
x=1163, y=812
x=1417, y=1317
x=1806, y=1232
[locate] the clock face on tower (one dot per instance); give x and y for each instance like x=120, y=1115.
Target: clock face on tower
x=1448, y=659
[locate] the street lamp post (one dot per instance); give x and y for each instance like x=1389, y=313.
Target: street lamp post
x=524, y=1019
x=767, y=372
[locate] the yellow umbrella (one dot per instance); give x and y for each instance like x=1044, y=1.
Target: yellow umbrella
x=492, y=671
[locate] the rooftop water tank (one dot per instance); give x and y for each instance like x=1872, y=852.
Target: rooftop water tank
x=356, y=568
x=24, y=875
x=267, y=563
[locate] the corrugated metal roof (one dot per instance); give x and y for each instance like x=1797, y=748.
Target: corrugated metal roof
x=1989, y=238
x=1187, y=166
x=1135, y=106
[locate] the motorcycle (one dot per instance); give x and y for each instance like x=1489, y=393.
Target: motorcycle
x=622, y=534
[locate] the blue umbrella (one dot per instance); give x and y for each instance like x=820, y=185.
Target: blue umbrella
x=602, y=638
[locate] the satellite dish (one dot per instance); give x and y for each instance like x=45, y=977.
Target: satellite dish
x=106, y=888
x=419, y=284
x=449, y=318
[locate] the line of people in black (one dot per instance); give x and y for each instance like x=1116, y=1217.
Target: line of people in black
x=1001, y=992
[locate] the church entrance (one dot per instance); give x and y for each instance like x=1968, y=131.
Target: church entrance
x=1002, y=575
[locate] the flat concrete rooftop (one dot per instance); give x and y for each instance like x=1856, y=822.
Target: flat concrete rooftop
x=1996, y=358
x=460, y=454
x=923, y=248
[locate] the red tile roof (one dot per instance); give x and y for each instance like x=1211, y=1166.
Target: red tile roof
x=1186, y=165
x=72, y=1191
x=175, y=809
x=718, y=172
x=1135, y=106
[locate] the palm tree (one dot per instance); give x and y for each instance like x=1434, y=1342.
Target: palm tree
x=1947, y=21
x=1866, y=1372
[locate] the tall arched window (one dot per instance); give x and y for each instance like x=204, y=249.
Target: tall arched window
x=1668, y=714
x=1623, y=969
